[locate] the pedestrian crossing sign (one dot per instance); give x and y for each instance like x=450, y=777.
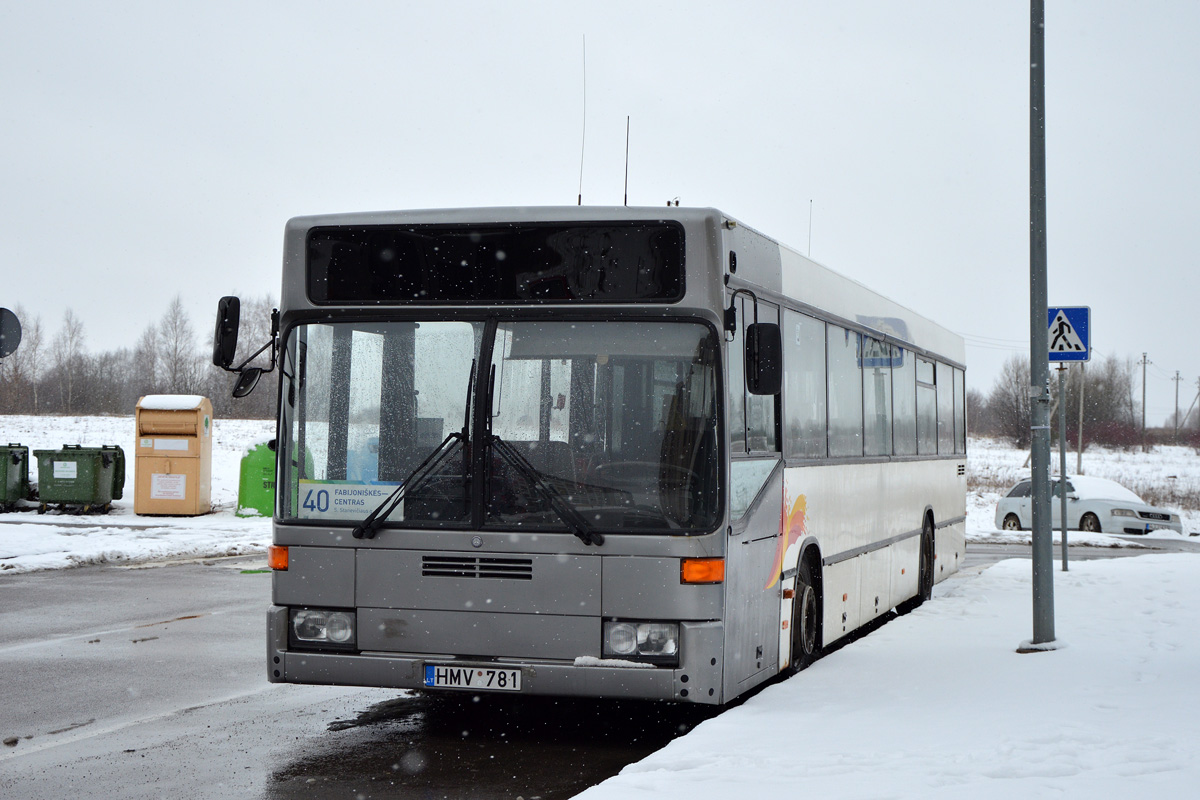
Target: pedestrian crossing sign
x=1069, y=333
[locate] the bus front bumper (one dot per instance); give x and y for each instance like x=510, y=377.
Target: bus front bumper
x=696, y=680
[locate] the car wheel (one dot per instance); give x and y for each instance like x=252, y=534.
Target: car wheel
x=1012, y=523
x=1090, y=523
x=806, y=619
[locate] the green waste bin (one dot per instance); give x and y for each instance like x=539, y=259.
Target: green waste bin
x=83, y=478
x=14, y=474
x=256, y=484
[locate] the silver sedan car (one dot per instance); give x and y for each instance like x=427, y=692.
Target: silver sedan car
x=1093, y=504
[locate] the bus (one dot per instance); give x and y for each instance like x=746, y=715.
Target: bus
x=607, y=452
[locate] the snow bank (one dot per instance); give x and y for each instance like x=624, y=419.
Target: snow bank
x=938, y=704
x=29, y=541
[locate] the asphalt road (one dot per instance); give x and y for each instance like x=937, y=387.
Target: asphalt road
x=150, y=682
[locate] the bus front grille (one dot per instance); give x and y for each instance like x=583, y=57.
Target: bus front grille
x=520, y=569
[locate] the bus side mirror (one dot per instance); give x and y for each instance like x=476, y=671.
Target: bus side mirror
x=764, y=358
x=225, y=337
x=247, y=381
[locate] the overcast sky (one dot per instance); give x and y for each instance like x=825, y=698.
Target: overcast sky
x=150, y=149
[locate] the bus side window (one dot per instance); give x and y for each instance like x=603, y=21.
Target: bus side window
x=804, y=386
x=904, y=402
x=945, y=408
x=926, y=408
x=844, y=349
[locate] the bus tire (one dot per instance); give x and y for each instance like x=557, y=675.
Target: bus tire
x=924, y=570
x=806, y=618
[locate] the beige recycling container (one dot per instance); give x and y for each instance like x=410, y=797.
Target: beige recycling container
x=173, y=460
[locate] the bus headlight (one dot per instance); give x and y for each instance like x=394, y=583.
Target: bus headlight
x=655, y=642
x=316, y=626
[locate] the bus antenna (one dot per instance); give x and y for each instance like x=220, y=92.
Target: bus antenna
x=583, y=141
x=627, y=160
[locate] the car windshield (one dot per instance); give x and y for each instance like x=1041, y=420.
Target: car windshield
x=617, y=420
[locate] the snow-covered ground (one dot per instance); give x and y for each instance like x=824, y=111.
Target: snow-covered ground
x=938, y=704
x=29, y=541
x=934, y=704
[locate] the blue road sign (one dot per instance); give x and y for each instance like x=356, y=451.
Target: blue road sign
x=1069, y=333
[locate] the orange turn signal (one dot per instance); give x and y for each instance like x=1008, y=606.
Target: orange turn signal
x=277, y=557
x=702, y=570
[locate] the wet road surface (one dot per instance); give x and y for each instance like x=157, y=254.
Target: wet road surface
x=482, y=747
x=152, y=683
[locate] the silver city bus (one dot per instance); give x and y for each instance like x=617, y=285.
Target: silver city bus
x=612, y=452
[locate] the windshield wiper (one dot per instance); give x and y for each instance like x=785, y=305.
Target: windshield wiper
x=567, y=512
x=366, y=529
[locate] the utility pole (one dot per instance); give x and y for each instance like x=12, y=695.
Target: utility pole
x=1039, y=351
x=1177, y=379
x=1144, y=362
x=1188, y=415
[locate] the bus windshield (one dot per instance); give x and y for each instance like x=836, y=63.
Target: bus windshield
x=615, y=419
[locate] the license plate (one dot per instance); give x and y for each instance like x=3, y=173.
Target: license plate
x=487, y=679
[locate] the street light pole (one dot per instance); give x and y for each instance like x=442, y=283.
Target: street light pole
x=1039, y=351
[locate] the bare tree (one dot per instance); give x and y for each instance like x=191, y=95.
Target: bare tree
x=1109, y=412
x=979, y=416
x=1009, y=402
x=177, y=355
x=67, y=352
x=145, y=360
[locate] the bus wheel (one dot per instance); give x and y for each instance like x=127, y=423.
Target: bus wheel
x=806, y=619
x=925, y=580
x=924, y=571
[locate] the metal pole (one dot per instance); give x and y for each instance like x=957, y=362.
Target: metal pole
x=1039, y=351
x=1177, y=379
x=1079, y=441
x=1144, y=362
x=1062, y=456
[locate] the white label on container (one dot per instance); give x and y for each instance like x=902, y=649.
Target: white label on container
x=168, y=487
x=170, y=444
x=65, y=470
x=147, y=443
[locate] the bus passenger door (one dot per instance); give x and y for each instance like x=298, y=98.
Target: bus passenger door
x=753, y=591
